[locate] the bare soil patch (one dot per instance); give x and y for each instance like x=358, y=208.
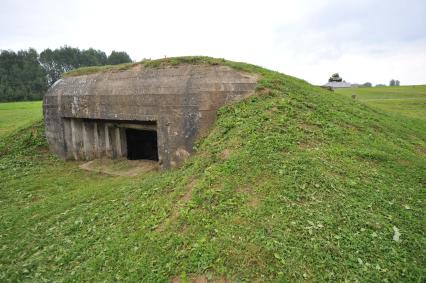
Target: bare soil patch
x=120, y=167
x=174, y=214
x=202, y=279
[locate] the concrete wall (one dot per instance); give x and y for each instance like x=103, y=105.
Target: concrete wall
x=85, y=116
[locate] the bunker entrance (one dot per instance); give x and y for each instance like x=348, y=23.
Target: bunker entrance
x=141, y=144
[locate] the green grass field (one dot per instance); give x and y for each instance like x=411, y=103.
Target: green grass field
x=16, y=115
x=293, y=184
x=409, y=101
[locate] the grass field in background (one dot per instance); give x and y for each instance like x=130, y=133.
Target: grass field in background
x=16, y=115
x=409, y=101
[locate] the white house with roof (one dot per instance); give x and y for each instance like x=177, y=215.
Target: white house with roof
x=338, y=84
x=335, y=81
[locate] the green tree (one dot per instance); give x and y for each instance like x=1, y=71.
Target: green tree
x=118, y=58
x=335, y=78
x=21, y=76
x=26, y=75
x=92, y=57
x=61, y=60
x=58, y=61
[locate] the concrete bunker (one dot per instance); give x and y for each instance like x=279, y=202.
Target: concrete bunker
x=139, y=113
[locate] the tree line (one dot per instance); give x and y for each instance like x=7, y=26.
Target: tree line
x=26, y=74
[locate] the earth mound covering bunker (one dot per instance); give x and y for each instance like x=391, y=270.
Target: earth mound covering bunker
x=154, y=113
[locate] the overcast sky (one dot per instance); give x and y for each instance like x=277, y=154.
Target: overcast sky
x=363, y=40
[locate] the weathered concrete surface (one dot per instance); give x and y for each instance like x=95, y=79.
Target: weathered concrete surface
x=86, y=116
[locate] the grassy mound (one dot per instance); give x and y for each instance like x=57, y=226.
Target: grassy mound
x=166, y=62
x=294, y=183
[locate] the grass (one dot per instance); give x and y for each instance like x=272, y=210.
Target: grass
x=406, y=100
x=99, y=69
x=293, y=184
x=169, y=62
x=16, y=115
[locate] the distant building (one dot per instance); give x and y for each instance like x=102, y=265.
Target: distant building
x=335, y=81
x=334, y=85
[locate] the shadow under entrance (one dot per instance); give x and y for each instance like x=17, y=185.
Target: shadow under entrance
x=141, y=144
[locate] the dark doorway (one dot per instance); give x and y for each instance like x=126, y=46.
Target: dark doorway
x=141, y=144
